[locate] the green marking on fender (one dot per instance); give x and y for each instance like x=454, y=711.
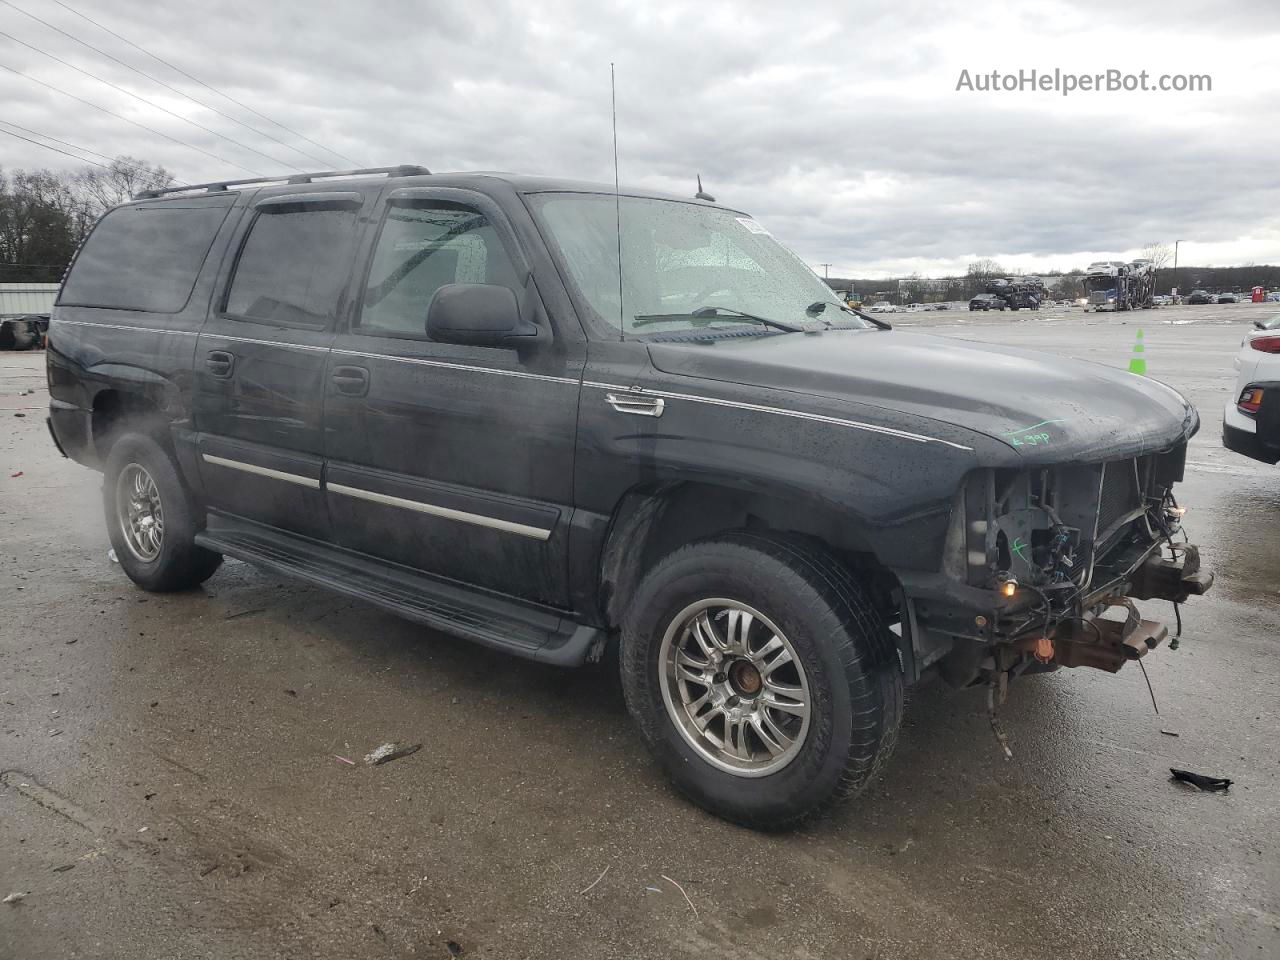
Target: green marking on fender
x=1018, y=547
x=1042, y=423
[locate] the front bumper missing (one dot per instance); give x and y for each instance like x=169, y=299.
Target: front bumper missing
x=1107, y=644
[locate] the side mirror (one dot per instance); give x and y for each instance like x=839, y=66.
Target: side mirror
x=479, y=315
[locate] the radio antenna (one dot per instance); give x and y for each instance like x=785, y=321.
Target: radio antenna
x=617, y=197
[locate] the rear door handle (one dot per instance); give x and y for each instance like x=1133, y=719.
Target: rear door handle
x=637, y=404
x=351, y=381
x=220, y=363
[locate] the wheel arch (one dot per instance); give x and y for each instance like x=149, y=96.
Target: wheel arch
x=654, y=519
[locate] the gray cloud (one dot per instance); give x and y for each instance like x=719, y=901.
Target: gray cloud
x=838, y=126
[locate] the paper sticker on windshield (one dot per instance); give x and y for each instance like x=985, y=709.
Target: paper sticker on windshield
x=752, y=225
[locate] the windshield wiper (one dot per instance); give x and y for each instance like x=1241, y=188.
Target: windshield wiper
x=820, y=305
x=716, y=313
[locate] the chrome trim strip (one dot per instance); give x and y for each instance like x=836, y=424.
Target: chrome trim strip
x=262, y=471
x=267, y=343
x=122, y=326
x=465, y=367
x=508, y=526
x=523, y=375
x=778, y=411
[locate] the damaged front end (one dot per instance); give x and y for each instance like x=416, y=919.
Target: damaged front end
x=1043, y=567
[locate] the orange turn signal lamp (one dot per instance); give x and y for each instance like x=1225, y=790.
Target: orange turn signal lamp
x=1250, y=400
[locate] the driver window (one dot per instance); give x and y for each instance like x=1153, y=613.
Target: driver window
x=420, y=249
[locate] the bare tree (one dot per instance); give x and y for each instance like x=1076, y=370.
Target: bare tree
x=985, y=269
x=126, y=176
x=1158, y=253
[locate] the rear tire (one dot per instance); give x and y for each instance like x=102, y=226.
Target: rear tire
x=776, y=768
x=151, y=517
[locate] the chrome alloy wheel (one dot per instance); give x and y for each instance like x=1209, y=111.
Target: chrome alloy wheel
x=734, y=687
x=139, y=512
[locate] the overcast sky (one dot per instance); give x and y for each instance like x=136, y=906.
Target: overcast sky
x=837, y=125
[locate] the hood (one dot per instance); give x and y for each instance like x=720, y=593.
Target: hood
x=1048, y=408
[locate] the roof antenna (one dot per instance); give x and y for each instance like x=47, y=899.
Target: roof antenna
x=617, y=197
x=701, y=194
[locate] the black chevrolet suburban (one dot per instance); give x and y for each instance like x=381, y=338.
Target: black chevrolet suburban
x=552, y=418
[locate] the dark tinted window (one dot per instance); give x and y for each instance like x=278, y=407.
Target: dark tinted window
x=293, y=266
x=146, y=256
x=421, y=248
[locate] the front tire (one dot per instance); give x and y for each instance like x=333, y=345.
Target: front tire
x=761, y=677
x=151, y=519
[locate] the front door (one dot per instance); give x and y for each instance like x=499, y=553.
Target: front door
x=260, y=362
x=452, y=460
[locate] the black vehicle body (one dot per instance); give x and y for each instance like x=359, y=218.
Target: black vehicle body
x=1199, y=297
x=516, y=492
x=987, y=301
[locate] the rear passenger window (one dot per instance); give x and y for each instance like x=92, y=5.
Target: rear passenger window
x=293, y=266
x=145, y=256
x=420, y=249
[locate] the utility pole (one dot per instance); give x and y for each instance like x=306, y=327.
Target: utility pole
x=1175, y=268
x=826, y=270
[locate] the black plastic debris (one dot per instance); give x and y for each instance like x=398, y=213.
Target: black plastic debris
x=454, y=948
x=1200, y=780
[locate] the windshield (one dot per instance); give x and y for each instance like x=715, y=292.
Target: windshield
x=684, y=266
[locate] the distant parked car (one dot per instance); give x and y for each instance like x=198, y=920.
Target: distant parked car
x=942, y=306
x=1273, y=296
x=883, y=306
x=1162, y=300
x=986, y=301
x=1200, y=297
x=1251, y=419
x=1228, y=298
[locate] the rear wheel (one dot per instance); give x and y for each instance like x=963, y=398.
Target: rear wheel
x=761, y=677
x=151, y=519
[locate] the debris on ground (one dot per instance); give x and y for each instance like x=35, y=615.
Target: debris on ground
x=16, y=474
x=682, y=893
x=595, y=881
x=15, y=897
x=391, y=751
x=64, y=868
x=344, y=760
x=1170, y=733
x=1200, y=780
x=111, y=555
x=454, y=948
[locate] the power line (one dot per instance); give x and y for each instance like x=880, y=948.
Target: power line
x=142, y=126
x=75, y=146
x=193, y=79
x=167, y=86
x=55, y=149
x=150, y=103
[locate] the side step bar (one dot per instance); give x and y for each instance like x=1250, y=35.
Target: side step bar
x=522, y=630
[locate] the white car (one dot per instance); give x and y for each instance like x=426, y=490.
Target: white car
x=883, y=306
x=1251, y=420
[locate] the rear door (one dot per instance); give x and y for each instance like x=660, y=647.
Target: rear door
x=261, y=358
x=452, y=460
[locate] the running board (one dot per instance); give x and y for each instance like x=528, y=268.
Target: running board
x=507, y=625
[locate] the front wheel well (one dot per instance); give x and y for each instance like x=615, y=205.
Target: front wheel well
x=653, y=522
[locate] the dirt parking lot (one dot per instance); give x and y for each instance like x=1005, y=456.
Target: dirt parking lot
x=175, y=785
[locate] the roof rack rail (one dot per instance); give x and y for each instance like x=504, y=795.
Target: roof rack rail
x=403, y=170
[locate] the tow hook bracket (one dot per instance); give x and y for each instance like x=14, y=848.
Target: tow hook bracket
x=1172, y=578
x=1107, y=644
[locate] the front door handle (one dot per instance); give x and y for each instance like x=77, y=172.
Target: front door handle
x=220, y=363
x=636, y=403
x=351, y=381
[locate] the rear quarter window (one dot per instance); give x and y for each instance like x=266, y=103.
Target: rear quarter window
x=145, y=256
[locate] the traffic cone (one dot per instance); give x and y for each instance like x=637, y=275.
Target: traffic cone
x=1138, y=362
